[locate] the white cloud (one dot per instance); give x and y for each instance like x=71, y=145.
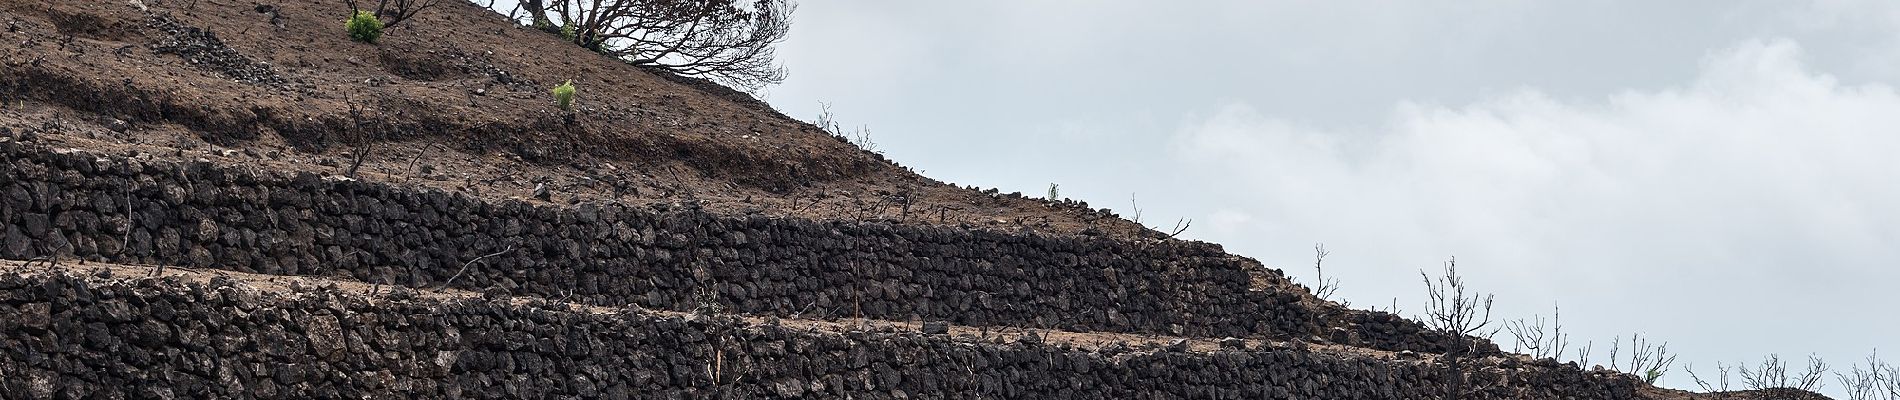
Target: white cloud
x=1229, y=221
x=1714, y=198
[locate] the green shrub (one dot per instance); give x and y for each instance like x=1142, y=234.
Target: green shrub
x=364, y=26
x=564, y=94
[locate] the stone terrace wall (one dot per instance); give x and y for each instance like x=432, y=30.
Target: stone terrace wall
x=63, y=336
x=198, y=214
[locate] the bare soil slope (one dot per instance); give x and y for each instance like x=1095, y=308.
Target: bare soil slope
x=456, y=98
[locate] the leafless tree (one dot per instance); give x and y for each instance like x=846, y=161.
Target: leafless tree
x=363, y=135
x=1453, y=310
x=1878, y=381
x=1537, y=339
x=1135, y=209
x=358, y=155
x=393, y=12
x=1773, y=373
x=1323, y=288
x=1721, y=372
x=1647, y=358
x=727, y=41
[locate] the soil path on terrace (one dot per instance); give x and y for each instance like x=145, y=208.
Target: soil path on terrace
x=1082, y=341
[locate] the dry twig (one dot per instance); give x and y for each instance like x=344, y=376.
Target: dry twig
x=1324, y=288
x=458, y=273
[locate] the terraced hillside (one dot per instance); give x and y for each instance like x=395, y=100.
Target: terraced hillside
x=220, y=199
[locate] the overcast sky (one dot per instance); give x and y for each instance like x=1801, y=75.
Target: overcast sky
x=1723, y=175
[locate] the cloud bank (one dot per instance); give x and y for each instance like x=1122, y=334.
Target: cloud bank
x=1759, y=180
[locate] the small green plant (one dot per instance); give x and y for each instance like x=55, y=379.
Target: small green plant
x=364, y=27
x=1054, y=191
x=564, y=94
x=543, y=25
x=567, y=32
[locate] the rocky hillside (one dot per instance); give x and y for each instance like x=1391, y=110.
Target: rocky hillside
x=220, y=199
x=456, y=99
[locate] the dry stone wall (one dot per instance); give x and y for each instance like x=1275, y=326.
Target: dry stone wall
x=91, y=335
x=198, y=214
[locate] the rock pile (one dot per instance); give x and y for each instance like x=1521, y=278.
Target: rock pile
x=204, y=50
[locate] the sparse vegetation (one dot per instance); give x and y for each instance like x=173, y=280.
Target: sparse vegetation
x=1055, y=192
x=564, y=95
x=1877, y=381
x=1647, y=359
x=828, y=122
x=1538, y=339
x=1772, y=373
x=364, y=27
x=1721, y=375
x=1453, y=310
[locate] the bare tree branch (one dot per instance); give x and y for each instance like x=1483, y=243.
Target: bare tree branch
x=1450, y=308
x=1721, y=377
x=1879, y=381
x=458, y=273
x=1323, y=288
x=728, y=41
x=1773, y=373
x=394, y=12
x=1538, y=340
x=1647, y=359
x=1583, y=354
x=1180, y=225
x=1135, y=208
x=1454, y=311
